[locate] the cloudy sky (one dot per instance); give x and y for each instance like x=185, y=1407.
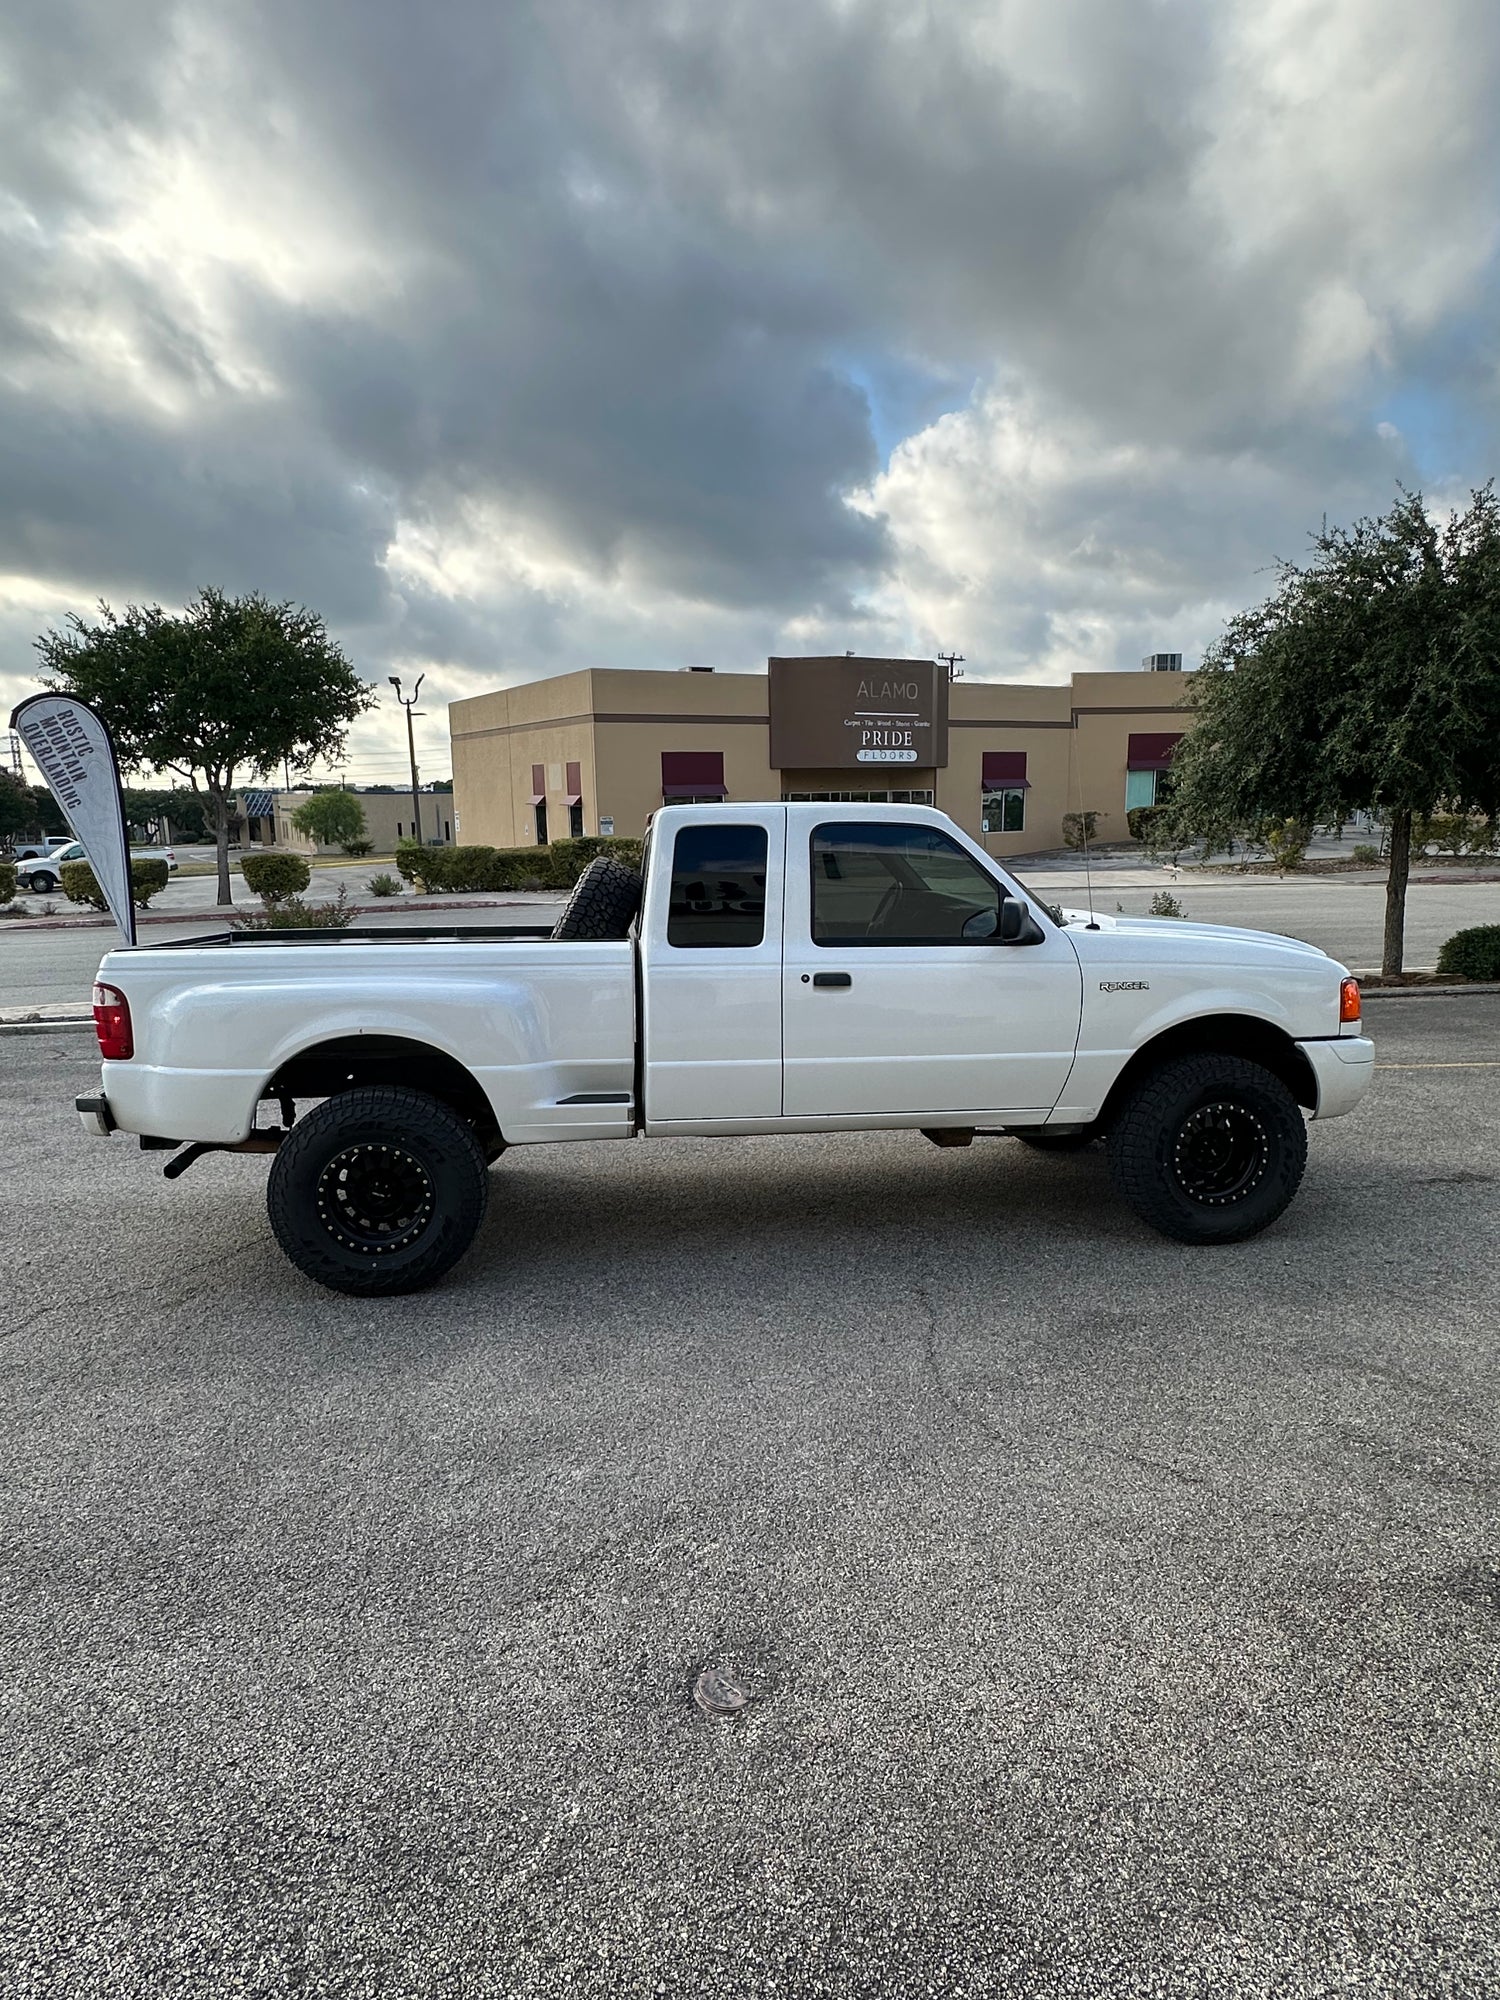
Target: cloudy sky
x=519, y=337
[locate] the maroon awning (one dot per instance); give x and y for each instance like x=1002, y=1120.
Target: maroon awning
x=539, y=798
x=1005, y=770
x=1151, y=752
x=693, y=774
x=573, y=798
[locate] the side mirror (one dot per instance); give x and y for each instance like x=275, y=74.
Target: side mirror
x=1017, y=924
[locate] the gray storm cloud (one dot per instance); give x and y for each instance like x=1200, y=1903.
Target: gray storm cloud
x=516, y=339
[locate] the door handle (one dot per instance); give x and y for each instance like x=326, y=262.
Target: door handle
x=832, y=979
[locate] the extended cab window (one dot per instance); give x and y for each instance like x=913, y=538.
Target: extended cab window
x=882, y=884
x=718, y=887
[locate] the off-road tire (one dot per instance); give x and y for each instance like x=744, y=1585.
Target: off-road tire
x=421, y=1216
x=41, y=883
x=603, y=904
x=1058, y=1142
x=1208, y=1148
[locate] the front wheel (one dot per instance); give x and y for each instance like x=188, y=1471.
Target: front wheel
x=41, y=883
x=377, y=1191
x=1209, y=1149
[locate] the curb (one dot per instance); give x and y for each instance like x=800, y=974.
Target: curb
x=1428, y=992
x=47, y=1027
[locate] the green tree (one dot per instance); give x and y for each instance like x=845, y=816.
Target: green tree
x=332, y=818
x=17, y=812
x=231, y=685
x=1368, y=680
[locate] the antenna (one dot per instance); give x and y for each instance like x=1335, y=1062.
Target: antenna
x=952, y=662
x=1083, y=828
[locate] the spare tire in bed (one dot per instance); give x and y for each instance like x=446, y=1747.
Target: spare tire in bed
x=603, y=904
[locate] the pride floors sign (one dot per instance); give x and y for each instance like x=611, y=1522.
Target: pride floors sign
x=839, y=714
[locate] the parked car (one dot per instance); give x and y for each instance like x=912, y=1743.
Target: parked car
x=775, y=968
x=43, y=874
x=28, y=850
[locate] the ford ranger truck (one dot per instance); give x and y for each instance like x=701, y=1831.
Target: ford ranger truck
x=771, y=969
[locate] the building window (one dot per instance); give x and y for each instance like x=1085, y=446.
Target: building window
x=1003, y=812
x=1003, y=785
x=539, y=807
x=875, y=884
x=692, y=777
x=1148, y=767
x=718, y=888
x=575, y=819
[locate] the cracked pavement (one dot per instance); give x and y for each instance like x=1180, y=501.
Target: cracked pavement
x=1117, y=1618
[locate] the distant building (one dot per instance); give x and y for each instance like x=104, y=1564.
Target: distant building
x=1163, y=663
x=601, y=750
x=387, y=819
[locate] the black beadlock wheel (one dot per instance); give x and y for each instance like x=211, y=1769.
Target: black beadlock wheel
x=1209, y=1149
x=377, y=1191
x=603, y=904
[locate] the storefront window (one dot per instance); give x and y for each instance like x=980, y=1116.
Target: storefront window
x=1140, y=789
x=1003, y=812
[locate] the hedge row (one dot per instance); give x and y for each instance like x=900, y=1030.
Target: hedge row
x=1472, y=954
x=80, y=885
x=435, y=870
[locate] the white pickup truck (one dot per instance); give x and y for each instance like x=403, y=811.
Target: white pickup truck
x=774, y=968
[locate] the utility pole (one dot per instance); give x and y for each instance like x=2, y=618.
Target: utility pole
x=411, y=746
x=952, y=661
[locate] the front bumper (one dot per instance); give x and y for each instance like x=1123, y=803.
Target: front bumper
x=1342, y=1071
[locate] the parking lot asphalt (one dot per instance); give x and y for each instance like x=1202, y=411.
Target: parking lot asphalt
x=1117, y=1618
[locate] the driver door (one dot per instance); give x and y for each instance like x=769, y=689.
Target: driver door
x=896, y=998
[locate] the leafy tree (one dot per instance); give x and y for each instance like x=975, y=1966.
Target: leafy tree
x=181, y=809
x=1369, y=680
x=231, y=685
x=26, y=809
x=332, y=818
x=17, y=812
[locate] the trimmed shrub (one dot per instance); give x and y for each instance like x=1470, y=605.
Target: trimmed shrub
x=7, y=881
x=276, y=878
x=1366, y=855
x=357, y=849
x=1472, y=954
x=383, y=885
x=490, y=870
x=80, y=885
x=1143, y=821
x=1081, y=829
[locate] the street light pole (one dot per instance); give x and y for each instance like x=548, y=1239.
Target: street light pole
x=411, y=746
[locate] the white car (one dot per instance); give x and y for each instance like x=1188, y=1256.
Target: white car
x=773, y=969
x=43, y=874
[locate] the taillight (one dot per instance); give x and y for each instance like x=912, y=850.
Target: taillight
x=1349, y=1000
x=112, y=1024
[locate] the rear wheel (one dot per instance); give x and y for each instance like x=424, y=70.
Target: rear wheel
x=377, y=1190
x=1209, y=1149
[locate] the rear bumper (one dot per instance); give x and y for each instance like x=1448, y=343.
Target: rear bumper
x=98, y=1120
x=1342, y=1071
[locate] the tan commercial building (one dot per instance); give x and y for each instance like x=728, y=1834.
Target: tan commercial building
x=600, y=751
x=264, y=819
